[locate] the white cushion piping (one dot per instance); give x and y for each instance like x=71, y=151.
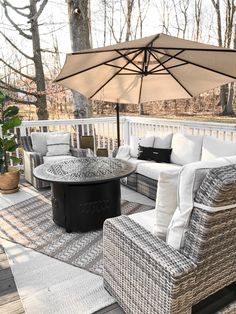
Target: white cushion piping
x=213, y=208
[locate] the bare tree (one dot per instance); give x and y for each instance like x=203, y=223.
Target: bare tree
x=197, y=18
x=226, y=91
x=164, y=12
x=142, y=14
x=181, y=16
x=130, y=6
x=31, y=13
x=80, y=39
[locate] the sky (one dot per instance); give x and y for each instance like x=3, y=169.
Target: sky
x=54, y=25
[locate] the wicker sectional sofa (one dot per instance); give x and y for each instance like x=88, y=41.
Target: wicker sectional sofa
x=148, y=275
x=167, y=260
x=185, y=149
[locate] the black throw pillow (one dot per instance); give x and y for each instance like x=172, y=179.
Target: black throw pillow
x=155, y=154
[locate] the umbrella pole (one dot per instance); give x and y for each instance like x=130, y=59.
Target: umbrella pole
x=117, y=107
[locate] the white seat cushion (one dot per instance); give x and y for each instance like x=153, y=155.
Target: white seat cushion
x=145, y=219
x=136, y=161
x=190, y=179
x=56, y=158
x=213, y=148
x=186, y=148
x=153, y=169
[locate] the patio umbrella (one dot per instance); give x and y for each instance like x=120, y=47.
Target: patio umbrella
x=158, y=67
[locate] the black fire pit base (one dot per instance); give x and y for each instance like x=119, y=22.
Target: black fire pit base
x=84, y=207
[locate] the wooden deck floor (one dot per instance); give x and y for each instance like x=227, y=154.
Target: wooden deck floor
x=9, y=298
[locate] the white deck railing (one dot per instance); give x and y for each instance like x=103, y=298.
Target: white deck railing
x=140, y=126
x=104, y=129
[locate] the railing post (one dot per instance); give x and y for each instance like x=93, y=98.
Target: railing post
x=126, y=131
x=22, y=130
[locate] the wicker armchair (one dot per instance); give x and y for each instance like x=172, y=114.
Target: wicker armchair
x=145, y=275
x=32, y=159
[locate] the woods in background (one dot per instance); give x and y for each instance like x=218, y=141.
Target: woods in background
x=35, y=35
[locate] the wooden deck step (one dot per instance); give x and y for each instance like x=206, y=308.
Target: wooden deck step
x=10, y=302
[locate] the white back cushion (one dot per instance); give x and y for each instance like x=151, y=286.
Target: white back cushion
x=185, y=148
x=39, y=142
x=135, y=141
x=166, y=201
x=190, y=179
x=58, y=144
x=161, y=139
x=123, y=152
x=213, y=148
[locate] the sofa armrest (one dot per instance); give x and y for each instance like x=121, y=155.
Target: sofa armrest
x=31, y=161
x=35, y=159
x=26, y=143
x=142, y=272
x=81, y=152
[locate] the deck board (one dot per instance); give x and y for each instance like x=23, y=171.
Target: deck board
x=10, y=302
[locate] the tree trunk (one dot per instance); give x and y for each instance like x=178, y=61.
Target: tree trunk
x=128, y=19
x=80, y=39
x=41, y=105
x=226, y=91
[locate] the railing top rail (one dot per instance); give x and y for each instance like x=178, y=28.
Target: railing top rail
x=130, y=119
x=32, y=123
x=189, y=123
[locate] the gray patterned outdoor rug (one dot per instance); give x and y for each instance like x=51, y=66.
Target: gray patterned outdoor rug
x=30, y=224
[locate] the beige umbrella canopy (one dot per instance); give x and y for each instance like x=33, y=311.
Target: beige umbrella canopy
x=152, y=68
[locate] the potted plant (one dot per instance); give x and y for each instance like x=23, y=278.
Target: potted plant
x=9, y=175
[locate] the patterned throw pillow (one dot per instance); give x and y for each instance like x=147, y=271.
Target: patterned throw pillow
x=154, y=154
x=58, y=144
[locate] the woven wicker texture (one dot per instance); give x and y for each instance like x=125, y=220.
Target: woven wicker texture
x=211, y=240
x=147, y=276
x=143, y=185
x=143, y=273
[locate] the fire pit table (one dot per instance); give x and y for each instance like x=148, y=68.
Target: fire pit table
x=85, y=191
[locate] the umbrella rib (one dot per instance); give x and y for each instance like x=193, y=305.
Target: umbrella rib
x=198, y=65
x=114, y=75
x=173, y=76
x=130, y=60
x=142, y=49
x=149, y=73
x=171, y=67
x=90, y=68
x=170, y=58
x=119, y=67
